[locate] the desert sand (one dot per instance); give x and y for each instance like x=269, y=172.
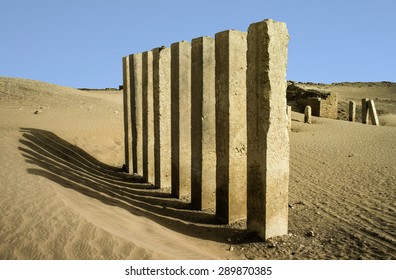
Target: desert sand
x=63, y=194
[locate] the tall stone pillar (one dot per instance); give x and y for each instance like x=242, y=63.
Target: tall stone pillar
x=162, y=117
x=231, y=142
x=365, y=116
x=373, y=112
x=308, y=114
x=136, y=112
x=352, y=111
x=148, y=117
x=268, y=138
x=181, y=118
x=203, y=137
x=127, y=115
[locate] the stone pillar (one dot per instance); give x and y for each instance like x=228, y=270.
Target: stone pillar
x=307, y=114
x=365, y=116
x=289, y=117
x=231, y=142
x=136, y=105
x=148, y=117
x=268, y=138
x=181, y=118
x=127, y=115
x=373, y=113
x=352, y=111
x=162, y=117
x=203, y=131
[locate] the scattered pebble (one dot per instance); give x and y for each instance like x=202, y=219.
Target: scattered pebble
x=231, y=249
x=271, y=244
x=38, y=112
x=310, y=233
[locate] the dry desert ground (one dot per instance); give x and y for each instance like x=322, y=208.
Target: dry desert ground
x=63, y=195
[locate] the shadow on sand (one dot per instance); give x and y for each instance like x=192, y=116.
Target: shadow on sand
x=72, y=168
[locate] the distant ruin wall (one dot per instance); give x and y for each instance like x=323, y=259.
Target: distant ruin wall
x=322, y=107
x=101, y=89
x=193, y=111
x=323, y=104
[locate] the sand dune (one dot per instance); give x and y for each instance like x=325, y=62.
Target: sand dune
x=63, y=195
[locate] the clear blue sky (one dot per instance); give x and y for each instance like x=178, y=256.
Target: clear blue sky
x=80, y=43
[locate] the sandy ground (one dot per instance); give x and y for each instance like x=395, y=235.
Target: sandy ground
x=63, y=195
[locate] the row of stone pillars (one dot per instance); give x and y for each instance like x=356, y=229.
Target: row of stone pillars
x=208, y=120
x=368, y=112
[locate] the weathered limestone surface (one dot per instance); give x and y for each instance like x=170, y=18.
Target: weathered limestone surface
x=365, y=116
x=136, y=112
x=203, y=138
x=127, y=115
x=231, y=142
x=307, y=114
x=162, y=117
x=268, y=138
x=289, y=117
x=329, y=106
x=352, y=111
x=148, y=117
x=373, y=113
x=181, y=118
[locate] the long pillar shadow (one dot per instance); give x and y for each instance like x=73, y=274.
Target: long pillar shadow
x=72, y=168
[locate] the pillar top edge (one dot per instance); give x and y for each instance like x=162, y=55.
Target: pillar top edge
x=202, y=38
x=160, y=48
x=184, y=42
x=268, y=22
x=135, y=54
x=230, y=31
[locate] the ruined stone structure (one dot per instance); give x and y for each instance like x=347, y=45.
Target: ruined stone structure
x=208, y=119
x=323, y=104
